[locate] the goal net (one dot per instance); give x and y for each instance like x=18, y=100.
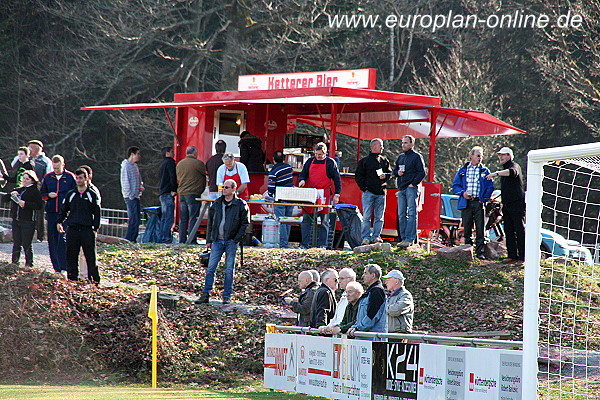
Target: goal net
x=561, y=320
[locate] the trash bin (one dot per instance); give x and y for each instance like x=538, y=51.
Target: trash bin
x=351, y=220
x=152, y=233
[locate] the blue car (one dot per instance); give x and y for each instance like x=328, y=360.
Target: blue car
x=552, y=244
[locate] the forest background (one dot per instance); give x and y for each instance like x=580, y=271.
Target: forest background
x=59, y=55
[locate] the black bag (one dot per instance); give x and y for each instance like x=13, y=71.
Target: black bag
x=351, y=221
x=204, y=257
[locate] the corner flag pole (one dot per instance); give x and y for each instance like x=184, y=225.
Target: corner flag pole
x=153, y=315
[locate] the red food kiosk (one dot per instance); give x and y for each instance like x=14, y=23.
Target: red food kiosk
x=272, y=106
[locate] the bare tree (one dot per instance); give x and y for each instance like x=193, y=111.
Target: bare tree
x=570, y=58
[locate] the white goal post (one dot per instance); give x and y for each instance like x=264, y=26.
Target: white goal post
x=555, y=310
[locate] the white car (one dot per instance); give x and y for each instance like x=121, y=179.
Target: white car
x=555, y=245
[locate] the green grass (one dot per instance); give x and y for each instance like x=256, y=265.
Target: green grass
x=571, y=389
x=84, y=392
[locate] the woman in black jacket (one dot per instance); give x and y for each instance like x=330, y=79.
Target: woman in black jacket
x=26, y=199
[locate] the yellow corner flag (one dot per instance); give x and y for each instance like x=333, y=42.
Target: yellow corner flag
x=153, y=314
x=152, y=311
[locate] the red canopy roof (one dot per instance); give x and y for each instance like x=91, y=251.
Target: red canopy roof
x=361, y=113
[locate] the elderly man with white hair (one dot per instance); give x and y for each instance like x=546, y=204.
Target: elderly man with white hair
x=237, y=171
x=513, y=203
x=400, y=306
x=347, y=275
x=354, y=291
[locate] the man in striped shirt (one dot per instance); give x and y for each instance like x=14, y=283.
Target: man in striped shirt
x=281, y=176
x=474, y=189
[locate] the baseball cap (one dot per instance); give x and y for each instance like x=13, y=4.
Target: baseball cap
x=394, y=274
x=38, y=142
x=505, y=150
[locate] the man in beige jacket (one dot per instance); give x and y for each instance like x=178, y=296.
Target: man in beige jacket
x=191, y=179
x=400, y=305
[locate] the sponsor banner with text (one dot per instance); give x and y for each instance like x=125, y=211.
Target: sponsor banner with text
x=395, y=371
x=354, y=79
x=457, y=373
x=280, y=362
x=361, y=370
x=351, y=378
x=315, y=365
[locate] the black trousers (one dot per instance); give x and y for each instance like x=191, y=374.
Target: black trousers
x=22, y=237
x=39, y=222
x=474, y=213
x=81, y=238
x=514, y=229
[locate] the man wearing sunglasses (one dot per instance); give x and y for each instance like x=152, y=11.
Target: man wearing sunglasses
x=323, y=305
x=228, y=219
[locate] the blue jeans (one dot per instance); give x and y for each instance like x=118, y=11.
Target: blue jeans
x=229, y=247
x=57, y=244
x=284, y=229
x=407, y=213
x=167, y=208
x=322, y=231
x=133, y=214
x=372, y=203
x=188, y=214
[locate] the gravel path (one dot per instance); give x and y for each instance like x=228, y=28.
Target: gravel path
x=41, y=257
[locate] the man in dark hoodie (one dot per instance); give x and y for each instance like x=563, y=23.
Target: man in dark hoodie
x=371, y=176
x=251, y=153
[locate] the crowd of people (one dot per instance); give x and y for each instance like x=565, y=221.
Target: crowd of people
x=358, y=309
x=68, y=202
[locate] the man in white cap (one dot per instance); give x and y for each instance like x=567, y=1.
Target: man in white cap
x=513, y=204
x=400, y=306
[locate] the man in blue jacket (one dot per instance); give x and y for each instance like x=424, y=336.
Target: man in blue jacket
x=54, y=188
x=474, y=189
x=409, y=171
x=372, y=315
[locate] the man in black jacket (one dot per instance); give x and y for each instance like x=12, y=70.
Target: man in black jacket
x=251, y=153
x=371, y=176
x=323, y=306
x=409, y=172
x=81, y=210
x=513, y=203
x=228, y=219
x=168, y=190
x=304, y=303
